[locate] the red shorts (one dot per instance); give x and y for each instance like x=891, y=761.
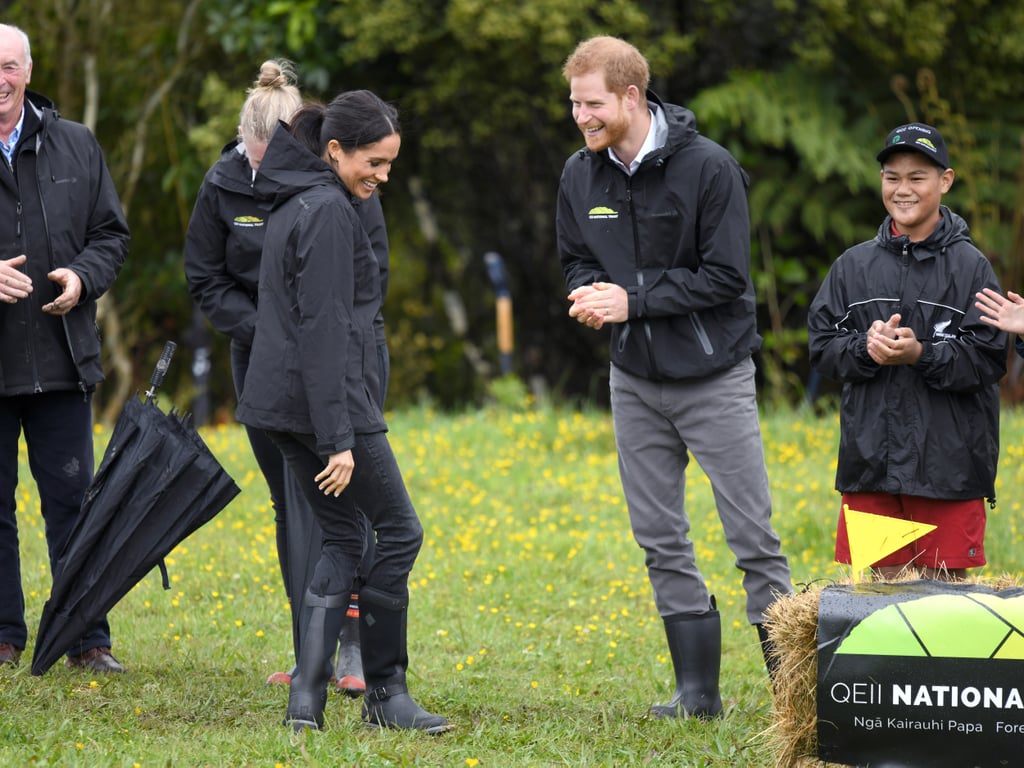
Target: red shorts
x=957, y=542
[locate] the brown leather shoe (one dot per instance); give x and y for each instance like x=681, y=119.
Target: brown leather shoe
x=97, y=659
x=9, y=654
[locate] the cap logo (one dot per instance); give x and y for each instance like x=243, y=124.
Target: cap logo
x=919, y=137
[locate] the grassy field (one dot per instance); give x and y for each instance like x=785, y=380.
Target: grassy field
x=532, y=625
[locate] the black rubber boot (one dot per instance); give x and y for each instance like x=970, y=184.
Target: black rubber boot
x=349, y=670
x=769, y=651
x=321, y=622
x=387, y=703
x=695, y=642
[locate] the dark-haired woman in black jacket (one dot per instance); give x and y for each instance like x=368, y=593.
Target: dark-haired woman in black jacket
x=313, y=383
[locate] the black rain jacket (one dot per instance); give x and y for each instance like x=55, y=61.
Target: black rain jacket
x=676, y=236
x=62, y=211
x=314, y=366
x=930, y=429
x=225, y=238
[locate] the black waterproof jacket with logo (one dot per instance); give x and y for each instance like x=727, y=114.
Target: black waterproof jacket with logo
x=314, y=366
x=225, y=238
x=676, y=236
x=930, y=429
x=61, y=210
x=223, y=245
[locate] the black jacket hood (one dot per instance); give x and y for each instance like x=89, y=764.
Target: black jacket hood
x=951, y=229
x=232, y=172
x=682, y=127
x=39, y=101
x=288, y=168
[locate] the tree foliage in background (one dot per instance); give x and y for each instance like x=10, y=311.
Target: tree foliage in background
x=801, y=91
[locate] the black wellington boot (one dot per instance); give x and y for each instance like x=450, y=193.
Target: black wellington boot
x=382, y=629
x=321, y=622
x=695, y=642
x=769, y=651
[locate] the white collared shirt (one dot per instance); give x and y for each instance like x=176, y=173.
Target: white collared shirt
x=12, y=140
x=656, y=135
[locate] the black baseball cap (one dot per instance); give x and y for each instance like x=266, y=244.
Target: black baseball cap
x=916, y=137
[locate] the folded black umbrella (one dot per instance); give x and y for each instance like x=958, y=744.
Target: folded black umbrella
x=156, y=485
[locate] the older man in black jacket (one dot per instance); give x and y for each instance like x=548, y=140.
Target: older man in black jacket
x=64, y=239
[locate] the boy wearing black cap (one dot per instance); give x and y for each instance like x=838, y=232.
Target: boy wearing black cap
x=895, y=322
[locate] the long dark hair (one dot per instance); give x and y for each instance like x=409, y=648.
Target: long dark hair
x=353, y=118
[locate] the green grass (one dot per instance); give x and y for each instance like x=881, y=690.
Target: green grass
x=532, y=625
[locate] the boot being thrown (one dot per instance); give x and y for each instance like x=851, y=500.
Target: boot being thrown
x=382, y=629
x=695, y=643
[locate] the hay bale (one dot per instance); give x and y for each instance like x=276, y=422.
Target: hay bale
x=793, y=627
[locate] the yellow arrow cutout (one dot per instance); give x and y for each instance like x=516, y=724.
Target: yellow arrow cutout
x=872, y=537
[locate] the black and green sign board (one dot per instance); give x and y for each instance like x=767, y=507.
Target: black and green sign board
x=921, y=674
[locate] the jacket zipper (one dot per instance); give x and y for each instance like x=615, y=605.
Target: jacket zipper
x=37, y=386
x=904, y=261
x=702, y=335
x=648, y=336
x=27, y=304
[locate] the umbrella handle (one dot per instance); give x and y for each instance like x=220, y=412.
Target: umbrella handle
x=161, y=370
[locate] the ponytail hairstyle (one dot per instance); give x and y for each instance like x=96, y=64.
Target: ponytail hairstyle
x=353, y=118
x=306, y=126
x=273, y=97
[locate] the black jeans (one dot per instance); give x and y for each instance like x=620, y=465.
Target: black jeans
x=273, y=467
x=377, y=491
x=58, y=434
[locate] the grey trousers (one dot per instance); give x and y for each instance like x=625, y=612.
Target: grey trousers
x=715, y=419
